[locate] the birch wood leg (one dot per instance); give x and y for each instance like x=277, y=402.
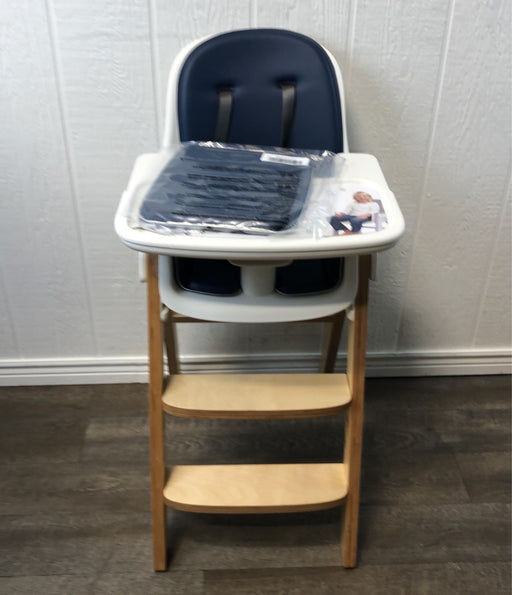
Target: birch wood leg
x=156, y=428
x=332, y=336
x=354, y=416
x=171, y=343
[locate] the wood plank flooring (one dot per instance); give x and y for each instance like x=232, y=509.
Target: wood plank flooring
x=435, y=513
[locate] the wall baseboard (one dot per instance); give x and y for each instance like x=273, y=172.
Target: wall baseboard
x=106, y=370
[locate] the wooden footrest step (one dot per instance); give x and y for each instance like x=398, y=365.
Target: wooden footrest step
x=256, y=488
x=253, y=396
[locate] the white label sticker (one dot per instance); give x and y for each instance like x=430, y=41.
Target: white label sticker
x=286, y=159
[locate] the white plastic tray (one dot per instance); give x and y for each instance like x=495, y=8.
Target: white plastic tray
x=358, y=169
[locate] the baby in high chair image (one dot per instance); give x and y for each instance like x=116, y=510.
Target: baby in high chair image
x=360, y=209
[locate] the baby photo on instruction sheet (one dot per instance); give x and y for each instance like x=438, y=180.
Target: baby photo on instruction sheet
x=356, y=209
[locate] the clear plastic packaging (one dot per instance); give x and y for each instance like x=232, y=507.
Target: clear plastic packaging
x=221, y=188
x=208, y=186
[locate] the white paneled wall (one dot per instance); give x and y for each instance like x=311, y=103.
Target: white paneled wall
x=83, y=85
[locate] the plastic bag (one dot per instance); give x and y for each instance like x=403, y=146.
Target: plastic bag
x=210, y=186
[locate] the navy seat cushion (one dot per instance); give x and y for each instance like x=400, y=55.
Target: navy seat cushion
x=214, y=277
x=254, y=64
x=206, y=188
x=309, y=276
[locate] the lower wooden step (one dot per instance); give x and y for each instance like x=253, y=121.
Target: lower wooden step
x=249, y=489
x=256, y=396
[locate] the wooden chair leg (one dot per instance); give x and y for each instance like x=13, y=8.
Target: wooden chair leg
x=354, y=416
x=171, y=343
x=156, y=422
x=332, y=336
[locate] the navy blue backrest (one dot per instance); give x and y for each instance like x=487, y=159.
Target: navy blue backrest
x=254, y=63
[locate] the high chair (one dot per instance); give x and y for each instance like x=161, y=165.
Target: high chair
x=270, y=88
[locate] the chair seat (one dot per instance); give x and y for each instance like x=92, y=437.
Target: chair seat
x=221, y=278
x=303, y=277
x=212, y=277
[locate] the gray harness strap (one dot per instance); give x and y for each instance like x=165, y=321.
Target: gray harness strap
x=224, y=115
x=226, y=108
x=288, y=91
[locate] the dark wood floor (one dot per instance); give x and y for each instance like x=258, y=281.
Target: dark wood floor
x=435, y=514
